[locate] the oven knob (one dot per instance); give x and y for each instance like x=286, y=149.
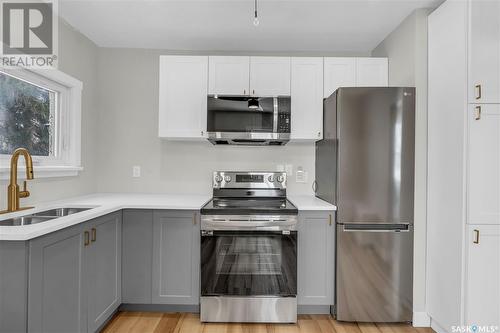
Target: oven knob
x=281, y=179
x=218, y=179
x=227, y=179
x=271, y=179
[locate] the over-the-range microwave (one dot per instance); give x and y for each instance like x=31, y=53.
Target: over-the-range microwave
x=248, y=120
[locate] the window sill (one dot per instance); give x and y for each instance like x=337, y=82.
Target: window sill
x=42, y=171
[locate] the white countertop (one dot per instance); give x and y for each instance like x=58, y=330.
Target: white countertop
x=105, y=203
x=310, y=202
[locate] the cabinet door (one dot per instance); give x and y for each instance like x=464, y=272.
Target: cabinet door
x=104, y=269
x=229, y=75
x=484, y=52
x=338, y=72
x=183, y=97
x=316, y=258
x=372, y=72
x=307, y=98
x=56, y=293
x=176, y=258
x=137, y=256
x=482, y=306
x=270, y=76
x=484, y=164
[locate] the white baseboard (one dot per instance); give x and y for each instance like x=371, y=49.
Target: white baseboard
x=421, y=319
x=437, y=327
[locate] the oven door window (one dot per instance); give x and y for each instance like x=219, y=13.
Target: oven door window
x=249, y=263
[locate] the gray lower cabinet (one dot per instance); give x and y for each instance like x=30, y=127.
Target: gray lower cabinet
x=316, y=258
x=57, y=288
x=176, y=257
x=137, y=256
x=74, y=282
x=103, y=269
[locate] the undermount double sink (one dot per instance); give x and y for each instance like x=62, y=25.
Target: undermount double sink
x=43, y=216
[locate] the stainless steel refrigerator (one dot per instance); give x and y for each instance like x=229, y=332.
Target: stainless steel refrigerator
x=365, y=166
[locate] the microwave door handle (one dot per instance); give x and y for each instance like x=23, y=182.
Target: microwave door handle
x=275, y=114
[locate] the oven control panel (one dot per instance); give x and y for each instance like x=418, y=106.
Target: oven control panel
x=249, y=180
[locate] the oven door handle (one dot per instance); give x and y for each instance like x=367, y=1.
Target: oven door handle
x=212, y=233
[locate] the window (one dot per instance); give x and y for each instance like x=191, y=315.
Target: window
x=40, y=111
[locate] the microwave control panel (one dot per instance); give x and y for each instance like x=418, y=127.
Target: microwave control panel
x=284, y=110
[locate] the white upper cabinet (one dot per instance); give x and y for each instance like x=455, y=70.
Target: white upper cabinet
x=484, y=164
x=482, y=305
x=183, y=96
x=307, y=98
x=338, y=72
x=484, y=52
x=229, y=75
x=372, y=72
x=270, y=76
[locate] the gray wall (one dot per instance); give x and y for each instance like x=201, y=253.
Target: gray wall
x=78, y=58
x=406, y=48
x=128, y=129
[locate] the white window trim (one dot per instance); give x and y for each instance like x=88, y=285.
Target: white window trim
x=69, y=163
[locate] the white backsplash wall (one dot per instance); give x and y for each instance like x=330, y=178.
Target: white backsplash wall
x=128, y=99
x=78, y=58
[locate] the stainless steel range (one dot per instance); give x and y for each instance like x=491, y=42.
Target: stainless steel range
x=249, y=250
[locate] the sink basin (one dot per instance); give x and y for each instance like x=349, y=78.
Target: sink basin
x=59, y=212
x=25, y=220
x=39, y=217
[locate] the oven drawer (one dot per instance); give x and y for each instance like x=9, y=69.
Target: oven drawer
x=249, y=263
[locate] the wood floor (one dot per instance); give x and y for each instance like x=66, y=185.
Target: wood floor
x=156, y=322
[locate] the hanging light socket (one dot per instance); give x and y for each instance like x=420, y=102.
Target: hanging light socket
x=255, y=17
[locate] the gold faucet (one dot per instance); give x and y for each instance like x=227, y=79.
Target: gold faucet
x=13, y=192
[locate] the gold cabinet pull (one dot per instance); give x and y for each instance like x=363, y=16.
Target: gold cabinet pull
x=476, y=236
x=86, y=238
x=477, y=112
x=94, y=235
x=194, y=219
x=478, y=91
x=330, y=219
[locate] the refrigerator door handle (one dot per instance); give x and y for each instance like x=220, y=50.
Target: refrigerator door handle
x=376, y=228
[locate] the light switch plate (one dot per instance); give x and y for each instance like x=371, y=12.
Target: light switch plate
x=136, y=171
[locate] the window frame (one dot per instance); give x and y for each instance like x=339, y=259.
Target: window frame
x=67, y=159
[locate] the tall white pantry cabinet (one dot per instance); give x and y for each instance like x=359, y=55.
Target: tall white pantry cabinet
x=463, y=217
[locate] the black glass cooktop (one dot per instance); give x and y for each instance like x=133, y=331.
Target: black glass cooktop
x=245, y=206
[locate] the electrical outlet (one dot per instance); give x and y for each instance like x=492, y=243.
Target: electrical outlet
x=136, y=171
x=300, y=175
x=289, y=169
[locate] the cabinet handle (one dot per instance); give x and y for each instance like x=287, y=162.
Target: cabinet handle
x=477, y=112
x=253, y=92
x=86, y=238
x=94, y=235
x=330, y=219
x=194, y=219
x=201, y=133
x=478, y=91
x=319, y=134
x=244, y=91
x=476, y=236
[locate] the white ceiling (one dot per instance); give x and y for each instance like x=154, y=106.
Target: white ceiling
x=328, y=26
